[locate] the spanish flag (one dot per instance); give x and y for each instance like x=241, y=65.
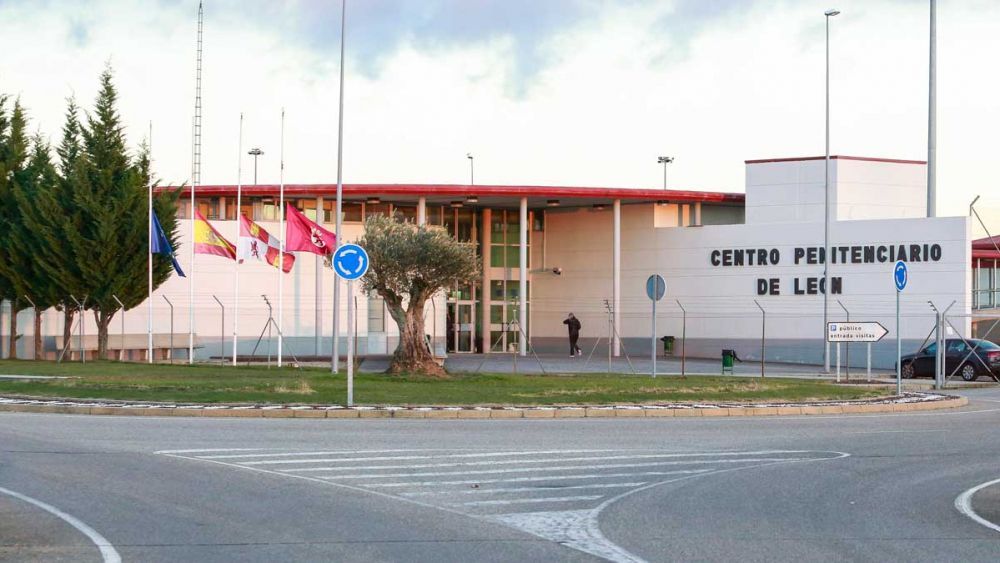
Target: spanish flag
x=208, y=241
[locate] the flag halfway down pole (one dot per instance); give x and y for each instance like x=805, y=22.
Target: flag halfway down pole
x=160, y=244
x=304, y=235
x=256, y=243
x=208, y=241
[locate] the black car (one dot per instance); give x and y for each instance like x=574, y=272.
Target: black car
x=971, y=358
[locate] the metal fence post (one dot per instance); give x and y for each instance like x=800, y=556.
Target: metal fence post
x=170, y=352
x=121, y=351
x=763, y=326
x=222, y=331
x=684, y=317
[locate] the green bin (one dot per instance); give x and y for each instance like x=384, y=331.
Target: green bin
x=668, y=345
x=728, y=356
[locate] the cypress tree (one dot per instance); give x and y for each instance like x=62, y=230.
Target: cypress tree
x=22, y=266
x=50, y=214
x=13, y=158
x=110, y=191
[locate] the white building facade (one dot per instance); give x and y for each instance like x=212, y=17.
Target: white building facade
x=737, y=268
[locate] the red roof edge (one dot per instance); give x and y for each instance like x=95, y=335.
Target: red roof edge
x=460, y=190
x=836, y=157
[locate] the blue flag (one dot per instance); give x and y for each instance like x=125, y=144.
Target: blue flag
x=160, y=244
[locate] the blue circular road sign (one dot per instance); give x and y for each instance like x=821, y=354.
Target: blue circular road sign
x=900, y=275
x=350, y=261
x=656, y=287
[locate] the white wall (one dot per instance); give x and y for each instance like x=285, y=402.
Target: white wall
x=720, y=300
x=791, y=191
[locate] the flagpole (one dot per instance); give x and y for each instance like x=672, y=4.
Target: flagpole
x=239, y=223
x=281, y=243
x=335, y=356
x=149, y=257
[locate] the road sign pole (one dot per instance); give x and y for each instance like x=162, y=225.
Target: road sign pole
x=652, y=339
x=900, y=277
x=868, y=368
x=899, y=352
x=350, y=343
x=838, y=362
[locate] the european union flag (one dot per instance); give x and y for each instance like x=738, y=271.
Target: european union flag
x=160, y=244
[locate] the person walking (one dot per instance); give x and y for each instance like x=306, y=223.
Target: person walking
x=574, y=326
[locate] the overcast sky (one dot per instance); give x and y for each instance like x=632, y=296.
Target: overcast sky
x=548, y=92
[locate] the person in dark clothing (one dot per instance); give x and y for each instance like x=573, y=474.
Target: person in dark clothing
x=574, y=326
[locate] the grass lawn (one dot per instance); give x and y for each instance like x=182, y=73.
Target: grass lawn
x=257, y=384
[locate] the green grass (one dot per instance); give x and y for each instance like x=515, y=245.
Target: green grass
x=257, y=384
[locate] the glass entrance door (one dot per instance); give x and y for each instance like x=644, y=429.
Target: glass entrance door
x=461, y=326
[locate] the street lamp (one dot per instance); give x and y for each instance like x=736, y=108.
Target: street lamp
x=255, y=152
x=664, y=160
x=826, y=200
x=472, y=169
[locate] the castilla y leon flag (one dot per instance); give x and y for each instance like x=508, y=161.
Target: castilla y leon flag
x=302, y=234
x=255, y=242
x=208, y=241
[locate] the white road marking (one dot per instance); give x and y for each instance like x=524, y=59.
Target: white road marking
x=896, y=431
x=524, y=489
x=489, y=462
x=964, y=505
x=535, y=469
x=525, y=501
x=108, y=551
x=578, y=529
x=388, y=458
x=208, y=450
x=530, y=479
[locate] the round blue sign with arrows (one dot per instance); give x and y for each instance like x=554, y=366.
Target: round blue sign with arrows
x=900, y=275
x=350, y=261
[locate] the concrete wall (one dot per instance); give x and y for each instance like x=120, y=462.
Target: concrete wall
x=792, y=191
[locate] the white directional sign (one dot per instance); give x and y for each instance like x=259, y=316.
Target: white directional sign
x=855, y=332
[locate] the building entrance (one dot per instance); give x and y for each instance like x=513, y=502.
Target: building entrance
x=461, y=326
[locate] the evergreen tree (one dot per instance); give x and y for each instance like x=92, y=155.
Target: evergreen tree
x=49, y=216
x=110, y=191
x=13, y=158
x=22, y=266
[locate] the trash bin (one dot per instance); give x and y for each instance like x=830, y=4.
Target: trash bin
x=668, y=345
x=728, y=356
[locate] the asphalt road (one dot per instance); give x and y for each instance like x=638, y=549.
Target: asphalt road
x=861, y=488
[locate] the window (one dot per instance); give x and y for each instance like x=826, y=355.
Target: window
x=376, y=314
x=376, y=209
x=405, y=213
x=351, y=211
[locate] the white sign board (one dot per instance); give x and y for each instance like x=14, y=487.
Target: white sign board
x=855, y=332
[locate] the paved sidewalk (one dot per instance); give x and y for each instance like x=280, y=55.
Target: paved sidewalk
x=558, y=364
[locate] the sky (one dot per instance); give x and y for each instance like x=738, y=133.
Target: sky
x=541, y=92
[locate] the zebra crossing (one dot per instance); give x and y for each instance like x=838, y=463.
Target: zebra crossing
x=496, y=482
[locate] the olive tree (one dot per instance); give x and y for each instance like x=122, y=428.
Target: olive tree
x=409, y=264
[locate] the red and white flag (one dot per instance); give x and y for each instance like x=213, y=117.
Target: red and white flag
x=302, y=234
x=256, y=243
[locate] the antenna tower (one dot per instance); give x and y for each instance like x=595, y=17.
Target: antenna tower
x=196, y=146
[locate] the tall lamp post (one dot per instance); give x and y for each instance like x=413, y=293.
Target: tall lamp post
x=255, y=152
x=826, y=201
x=664, y=160
x=472, y=169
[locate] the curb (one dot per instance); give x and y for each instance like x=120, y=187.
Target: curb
x=909, y=402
